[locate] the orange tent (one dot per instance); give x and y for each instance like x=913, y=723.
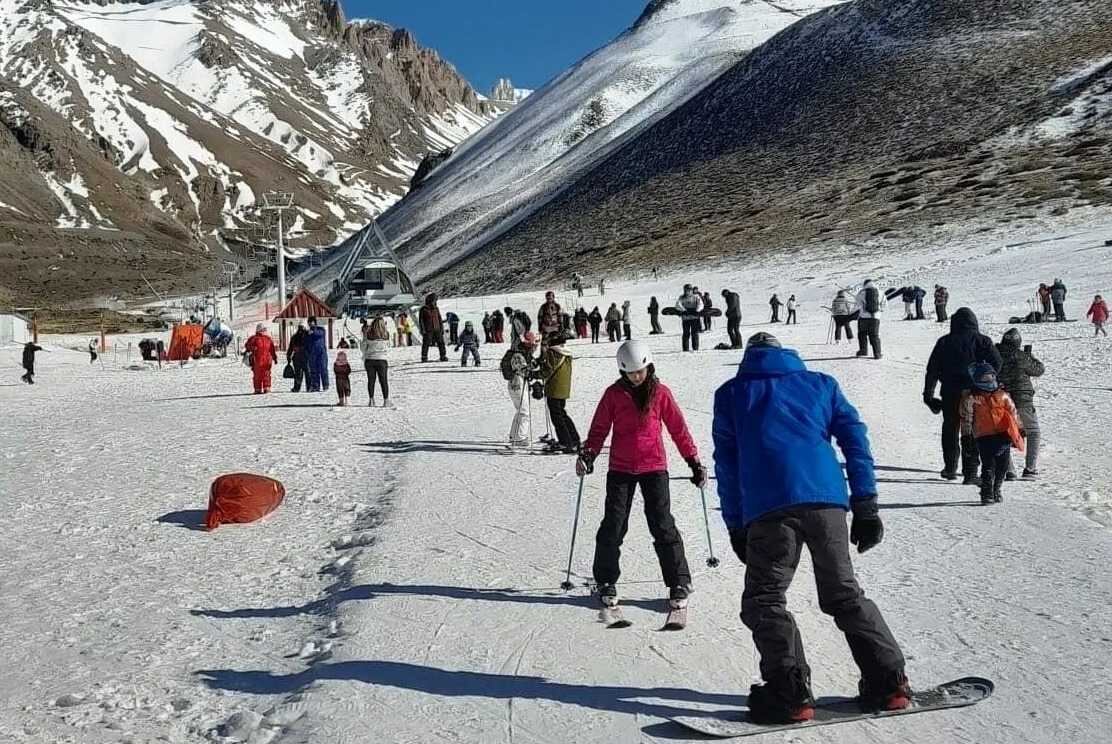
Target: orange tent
x=185, y=342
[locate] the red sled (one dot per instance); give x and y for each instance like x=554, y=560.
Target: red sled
x=239, y=498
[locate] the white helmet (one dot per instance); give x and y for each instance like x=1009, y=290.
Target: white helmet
x=634, y=356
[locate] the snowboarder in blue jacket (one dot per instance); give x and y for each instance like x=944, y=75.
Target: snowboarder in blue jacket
x=316, y=349
x=781, y=487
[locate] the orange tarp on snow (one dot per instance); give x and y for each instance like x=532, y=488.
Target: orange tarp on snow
x=185, y=342
x=242, y=497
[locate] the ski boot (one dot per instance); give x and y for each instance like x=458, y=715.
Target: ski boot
x=784, y=700
x=987, y=491
x=677, y=595
x=971, y=480
x=1030, y=474
x=1010, y=476
x=608, y=595
x=890, y=691
x=948, y=475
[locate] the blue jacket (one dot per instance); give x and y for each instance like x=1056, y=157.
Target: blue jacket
x=316, y=346
x=772, y=429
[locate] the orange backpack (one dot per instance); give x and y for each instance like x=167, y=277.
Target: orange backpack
x=993, y=415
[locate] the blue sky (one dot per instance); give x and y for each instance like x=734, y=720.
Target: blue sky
x=529, y=41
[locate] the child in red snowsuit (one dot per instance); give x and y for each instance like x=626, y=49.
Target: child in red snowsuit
x=1098, y=311
x=263, y=357
x=342, y=369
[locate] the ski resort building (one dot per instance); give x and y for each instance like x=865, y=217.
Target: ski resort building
x=14, y=329
x=302, y=306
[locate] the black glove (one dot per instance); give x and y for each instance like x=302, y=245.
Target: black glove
x=585, y=465
x=738, y=541
x=698, y=472
x=866, y=530
x=933, y=403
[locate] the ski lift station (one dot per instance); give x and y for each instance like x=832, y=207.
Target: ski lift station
x=372, y=280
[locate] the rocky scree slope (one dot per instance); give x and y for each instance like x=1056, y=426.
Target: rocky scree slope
x=155, y=128
x=868, y=121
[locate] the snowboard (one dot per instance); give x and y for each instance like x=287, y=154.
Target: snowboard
x=714, y=312
x=957, y=694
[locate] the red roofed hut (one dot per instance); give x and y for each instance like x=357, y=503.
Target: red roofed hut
x=302, y=306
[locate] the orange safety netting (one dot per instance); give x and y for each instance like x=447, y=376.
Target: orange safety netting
x=185, y=342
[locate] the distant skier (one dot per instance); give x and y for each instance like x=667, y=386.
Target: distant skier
x=841, y=310
x=950, y=361
x=602, y=286
x=941, y=299
x=637, y=408
x=627, y=321
x=595, y=319
x=690, y=307
x=1058, y=297
x=581, y=322
x=469, y=341
x=548, y=316
x=870, y=304
x=297, y=357
x=654, y=317
x=453, y=327
x=498, y=326
x=487, y=337
x=989, y=416
x=919, y=293
x=793, y=307
x=341, y=368
x=376, y=355
x=733, y=317
x=781, y=487
x=517, y=366
x=1098, y=311
x=29, y=351
x=92, y=351
x=432, y=328
x=263, y=358
x=775, y=303
x=614, y=323
x=555, y=371
x=316, y=352
x=1018, y=366
x=708, y=304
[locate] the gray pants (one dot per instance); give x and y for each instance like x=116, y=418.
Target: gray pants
x=774, y=546
x=1030, y=421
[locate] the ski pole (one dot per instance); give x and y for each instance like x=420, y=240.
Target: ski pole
x=712, y=562
x=567, y=585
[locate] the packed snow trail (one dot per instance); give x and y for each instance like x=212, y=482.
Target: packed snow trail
x=448, y=624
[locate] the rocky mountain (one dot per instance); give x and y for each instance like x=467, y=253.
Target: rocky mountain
x=148, y=131
x=873, y=120
x=505, y=92
x=524, y=159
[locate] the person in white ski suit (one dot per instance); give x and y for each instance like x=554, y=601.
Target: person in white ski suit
x=518, y=387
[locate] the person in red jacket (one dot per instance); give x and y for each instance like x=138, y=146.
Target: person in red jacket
x=1099, y=313
x=263, y=357
x=637, y=407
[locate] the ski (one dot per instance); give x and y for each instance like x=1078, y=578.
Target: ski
x=676, y=618
x=613, y=618
x=957, y=694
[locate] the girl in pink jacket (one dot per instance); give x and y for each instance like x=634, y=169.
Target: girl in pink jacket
x=1098, y=311
x=638, y=407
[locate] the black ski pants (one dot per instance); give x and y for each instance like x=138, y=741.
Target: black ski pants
x=843, y=322
x=956, y=447
x=996, y=454
x=773, y=549
x=627, y=331
x=940, y=313
x=613, y=330
x=1059, y=311
x=376, y=372
x=733, y=330
x=792, y=319
x=594, y=332
x=453, y=333
x=775, y=314
x=654, y=318
x=433, y=338
x=667, y=541
x=566, y=433
x=300, y=372
x=708, y=322
x=868, y=332
x=691, y=328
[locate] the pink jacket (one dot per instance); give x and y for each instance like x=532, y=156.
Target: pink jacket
x=638, y=446
x=1099, y=311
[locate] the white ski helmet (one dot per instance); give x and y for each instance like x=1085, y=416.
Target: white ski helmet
x=634, y=356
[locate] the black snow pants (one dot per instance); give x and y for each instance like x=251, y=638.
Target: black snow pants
x=868, y=332
x=955, y=446
x=733, y=330
x=300, y=363
x=566, y=433
x=658, y=512
x=594, y=332
x=996, y=454
x=433, y=338
x=773, y=549
x=940, y=315
x=843, y=322
x=453, y=333
x=376, y=372
x=1059, y=311
x=691, y=328
x=654, y=318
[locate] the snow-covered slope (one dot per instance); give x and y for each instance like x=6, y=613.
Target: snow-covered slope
x=407, y=590
x=518, y=163
x=210, y=105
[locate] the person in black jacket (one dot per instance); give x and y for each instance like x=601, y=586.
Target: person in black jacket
x=595, y=319
x=733, y=317
x=297, y=355
x=949, y=364
x=654, y=317
x=29, y=350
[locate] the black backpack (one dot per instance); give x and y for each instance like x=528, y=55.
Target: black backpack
x=507, y=365
x=872, y=300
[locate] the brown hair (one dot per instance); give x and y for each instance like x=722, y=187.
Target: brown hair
x=644, y=393
x=378, y=330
